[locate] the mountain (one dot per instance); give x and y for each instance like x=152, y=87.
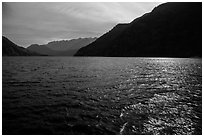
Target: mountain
x=61, y=48
x=41, y=49
x=97, y=47
x=170, y=30
x=70, y=44
x=11, y=49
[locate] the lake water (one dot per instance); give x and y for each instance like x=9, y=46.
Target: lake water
x=95, y=95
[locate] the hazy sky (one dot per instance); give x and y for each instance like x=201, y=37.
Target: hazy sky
x=29, y=23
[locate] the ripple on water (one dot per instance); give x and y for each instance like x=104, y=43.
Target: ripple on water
x=71, y=95
x=162, y=114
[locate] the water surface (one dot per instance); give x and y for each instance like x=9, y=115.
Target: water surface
x=93, y=95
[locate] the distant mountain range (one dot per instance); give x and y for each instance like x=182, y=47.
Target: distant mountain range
x=61, y=48
x=70, y=44
x=170, y=30
x=11, y=49
x=55, y=48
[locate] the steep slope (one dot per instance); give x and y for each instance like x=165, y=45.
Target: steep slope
x=11, y=49
x=170, y=30
x=61, y=48
x=97, y=48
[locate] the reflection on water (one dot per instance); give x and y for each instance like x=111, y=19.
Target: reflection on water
x=162, y=114
x=73, y=95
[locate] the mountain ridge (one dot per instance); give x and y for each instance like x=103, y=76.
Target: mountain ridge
x=11, y=49
x=62, y=47
x=169, y=30
x=69, y=44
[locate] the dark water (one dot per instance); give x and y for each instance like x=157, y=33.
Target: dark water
x=73, y=95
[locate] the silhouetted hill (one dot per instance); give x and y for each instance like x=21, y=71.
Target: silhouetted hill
x=61, y=48
x=170, y=30
x=11, y=49
x=97, y=47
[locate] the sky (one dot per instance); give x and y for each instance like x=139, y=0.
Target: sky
x=39, y=23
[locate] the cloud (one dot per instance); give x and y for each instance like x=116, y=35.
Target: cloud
x=28, y=23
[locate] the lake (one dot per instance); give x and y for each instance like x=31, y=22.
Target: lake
x=101, y=95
